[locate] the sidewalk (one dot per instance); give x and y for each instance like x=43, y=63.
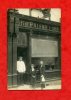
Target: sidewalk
x=49, y=86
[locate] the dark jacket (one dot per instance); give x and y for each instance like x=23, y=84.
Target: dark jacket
x=42, y=70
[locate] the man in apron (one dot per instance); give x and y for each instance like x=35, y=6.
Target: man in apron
x=21, y=69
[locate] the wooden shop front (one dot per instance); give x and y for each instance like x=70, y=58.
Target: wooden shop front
x=34, y=39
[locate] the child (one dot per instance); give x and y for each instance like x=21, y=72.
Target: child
x=42, y=82
x=33, y=75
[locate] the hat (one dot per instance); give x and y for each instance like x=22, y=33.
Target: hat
x=20, y=57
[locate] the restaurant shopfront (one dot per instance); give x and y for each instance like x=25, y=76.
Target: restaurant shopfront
x=35, y=40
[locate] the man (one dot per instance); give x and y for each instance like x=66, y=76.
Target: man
x=42, y=75
x=21, y=69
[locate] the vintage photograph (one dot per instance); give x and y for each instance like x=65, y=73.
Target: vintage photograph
x=34, y=48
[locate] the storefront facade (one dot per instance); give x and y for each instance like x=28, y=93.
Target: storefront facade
x=35, y=40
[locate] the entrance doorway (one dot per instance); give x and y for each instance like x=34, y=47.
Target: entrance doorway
x=21, y=51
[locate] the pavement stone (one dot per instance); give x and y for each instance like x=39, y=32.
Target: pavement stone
x=53, y=85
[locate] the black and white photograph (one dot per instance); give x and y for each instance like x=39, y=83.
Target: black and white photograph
x=34, y=49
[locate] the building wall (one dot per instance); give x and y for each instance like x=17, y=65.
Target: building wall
x=55, y=13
